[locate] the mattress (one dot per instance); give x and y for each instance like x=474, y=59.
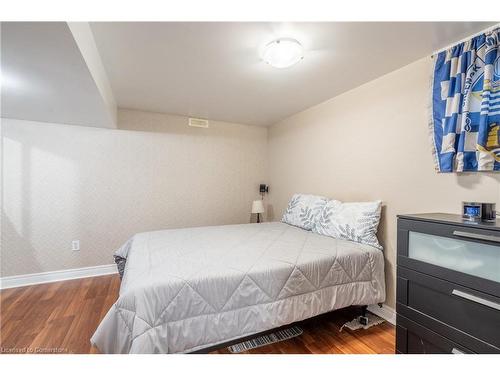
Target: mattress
x=189, y=289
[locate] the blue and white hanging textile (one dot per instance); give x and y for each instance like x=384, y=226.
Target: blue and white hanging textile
x=466, y=105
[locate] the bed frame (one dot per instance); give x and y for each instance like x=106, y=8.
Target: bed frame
x=364, y=309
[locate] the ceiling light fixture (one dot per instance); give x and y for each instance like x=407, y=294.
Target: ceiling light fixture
x=283, y=53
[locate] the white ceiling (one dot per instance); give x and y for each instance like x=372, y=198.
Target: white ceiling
x=207, y=70
x=213, y=70
x=45, y=78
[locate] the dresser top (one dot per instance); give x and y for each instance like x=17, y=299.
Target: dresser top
x=450, y=219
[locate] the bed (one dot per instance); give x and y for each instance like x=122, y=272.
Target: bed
x=184, y=290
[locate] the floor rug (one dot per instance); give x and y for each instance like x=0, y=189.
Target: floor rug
x=354, y=324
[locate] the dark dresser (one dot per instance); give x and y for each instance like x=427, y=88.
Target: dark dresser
x=448, y=285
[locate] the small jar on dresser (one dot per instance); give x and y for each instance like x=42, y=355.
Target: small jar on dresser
x=448, y=285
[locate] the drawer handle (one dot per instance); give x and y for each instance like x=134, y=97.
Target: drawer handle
x=477, y=236
x=456, y=351
x=476, y=299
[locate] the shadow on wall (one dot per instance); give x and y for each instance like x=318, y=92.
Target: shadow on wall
x=11, y=236
x=472, y=180
x=151, y=122
x=48, y=201
x=270, y=213
x=35, y=211
x=382, y=232
x=383, y=237
x=16, y=228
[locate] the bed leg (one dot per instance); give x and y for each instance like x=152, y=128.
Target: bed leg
x=363, y=318
x=364, y=308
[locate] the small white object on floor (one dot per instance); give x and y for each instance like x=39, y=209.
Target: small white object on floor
x=354, y=324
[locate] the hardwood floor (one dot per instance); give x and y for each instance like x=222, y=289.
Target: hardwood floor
x=61, y=317
x=321, y=336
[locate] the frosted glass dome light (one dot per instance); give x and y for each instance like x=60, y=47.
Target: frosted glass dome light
x=283, y=53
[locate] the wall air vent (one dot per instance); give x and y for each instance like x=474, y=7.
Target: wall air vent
x=198, y=122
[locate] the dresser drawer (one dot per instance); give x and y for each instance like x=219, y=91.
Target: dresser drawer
x=413, y=338
x=474, y=313
x=458, y=253
x=464, y=255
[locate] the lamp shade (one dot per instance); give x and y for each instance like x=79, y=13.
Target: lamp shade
x=257, y=207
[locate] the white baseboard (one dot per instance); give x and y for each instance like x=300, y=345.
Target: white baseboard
x=49, y=277
x=385, y=312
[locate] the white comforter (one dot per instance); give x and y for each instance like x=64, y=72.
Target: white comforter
x=186, y=289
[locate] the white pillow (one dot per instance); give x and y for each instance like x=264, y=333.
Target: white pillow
x=303, y=210
x=354, y=221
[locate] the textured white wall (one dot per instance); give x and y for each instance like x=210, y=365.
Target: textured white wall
x=371, y=143
x=103, y=185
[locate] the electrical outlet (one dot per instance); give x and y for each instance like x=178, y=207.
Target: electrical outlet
x=75, y=245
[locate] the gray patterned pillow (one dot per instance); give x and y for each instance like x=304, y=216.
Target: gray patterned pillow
x=303, y=210
x=354, y=221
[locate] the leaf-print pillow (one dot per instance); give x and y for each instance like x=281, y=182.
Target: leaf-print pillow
x=354, y=221
x=303, y=210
